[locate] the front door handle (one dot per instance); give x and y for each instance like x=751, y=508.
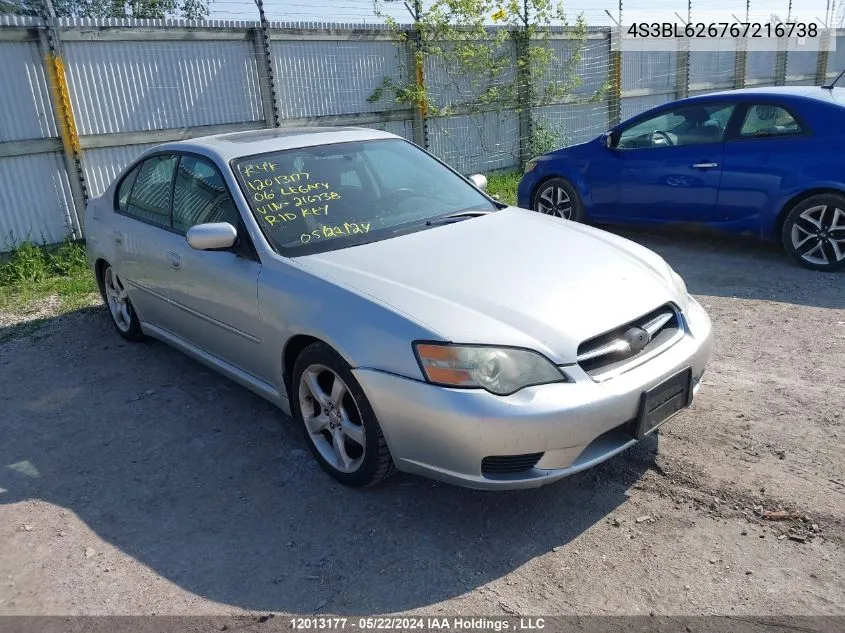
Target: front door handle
x=704, y=165
x=175, y=260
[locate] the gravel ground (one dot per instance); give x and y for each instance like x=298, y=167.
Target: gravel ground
x=135, y=481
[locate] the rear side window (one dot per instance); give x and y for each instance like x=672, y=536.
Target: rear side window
x=126, y=188
x=150, y=197
x=200, y=195
x=768, y=120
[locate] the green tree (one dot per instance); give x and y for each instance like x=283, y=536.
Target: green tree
x=189, y=9
x=17, y=7
x=490, y=56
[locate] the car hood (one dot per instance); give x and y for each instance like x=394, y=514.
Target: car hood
x=571, y=150
x=513, y=277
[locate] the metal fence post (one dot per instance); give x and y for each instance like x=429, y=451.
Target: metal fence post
x=740, y=63
x=524, y=91
x=49, y=41
x=823, y=57
x=416, y=64
x=780, y=63
x=782, y=55
x=614, y=93
x=682, y=70
x=266, y=77
x=682, y=61
x=741, y=55
x=822, y=62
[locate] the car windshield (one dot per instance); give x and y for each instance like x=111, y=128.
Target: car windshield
x=324, y=197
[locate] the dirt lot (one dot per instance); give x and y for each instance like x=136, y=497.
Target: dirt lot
x=135, y=481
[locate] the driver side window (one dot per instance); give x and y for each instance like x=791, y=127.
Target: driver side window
x=690, y=125
x=638, y=135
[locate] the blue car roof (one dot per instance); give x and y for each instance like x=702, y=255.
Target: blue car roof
x=834, y=96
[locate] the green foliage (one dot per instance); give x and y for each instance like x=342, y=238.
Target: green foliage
x=156, y=9
x=546, y=137
x=504, y=184
x=403, y=94
x=19, y=7
x=29, y=263
x=69, y=259
x=34, y=279
x=477, y=70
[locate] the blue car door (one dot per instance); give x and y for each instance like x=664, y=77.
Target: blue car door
x=667, y=167
x=767, y=146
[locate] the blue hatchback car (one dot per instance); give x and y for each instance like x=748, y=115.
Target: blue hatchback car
x=763, y=162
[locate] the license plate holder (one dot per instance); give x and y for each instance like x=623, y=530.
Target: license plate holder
x=663, y=401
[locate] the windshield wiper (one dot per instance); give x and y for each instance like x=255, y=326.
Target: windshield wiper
x=457, y=217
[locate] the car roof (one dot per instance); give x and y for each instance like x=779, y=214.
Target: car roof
x=236, y=144
x=835, y=96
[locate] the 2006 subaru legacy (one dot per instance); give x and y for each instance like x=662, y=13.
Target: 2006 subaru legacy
x=401, y=316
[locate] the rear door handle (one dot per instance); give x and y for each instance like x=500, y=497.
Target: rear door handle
x=118, y=238
x=704, y=165
x=175, y=260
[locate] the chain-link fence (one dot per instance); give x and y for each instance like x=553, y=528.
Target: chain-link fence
x=83, y=96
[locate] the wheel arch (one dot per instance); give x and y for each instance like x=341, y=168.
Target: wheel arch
x=797, y=199
x=573, y=183
x=99, y=267
x=292, y=349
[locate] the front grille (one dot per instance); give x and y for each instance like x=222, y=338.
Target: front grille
x=602, y=356
x=505, y=464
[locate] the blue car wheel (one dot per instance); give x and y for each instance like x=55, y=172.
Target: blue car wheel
x=558, y=198
x=814, y=232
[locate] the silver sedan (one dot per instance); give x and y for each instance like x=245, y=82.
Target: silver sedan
x=404, y=319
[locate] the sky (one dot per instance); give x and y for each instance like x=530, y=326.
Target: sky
x=593, y=11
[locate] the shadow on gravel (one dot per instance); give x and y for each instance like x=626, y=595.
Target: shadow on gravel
x=744, y=268
x=212, y=488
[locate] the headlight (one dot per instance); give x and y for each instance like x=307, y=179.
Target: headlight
x=530, y=165
x=499, y=370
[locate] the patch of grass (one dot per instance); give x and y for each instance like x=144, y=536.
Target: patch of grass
x=31, y=273
x=503, y=184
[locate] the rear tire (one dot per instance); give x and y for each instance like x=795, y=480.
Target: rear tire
x=558, y=198
x=122, y=312
x=813, y=232
x=339, y=424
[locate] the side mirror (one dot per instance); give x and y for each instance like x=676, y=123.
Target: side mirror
x=479, y=180
x=212, y=236
x=607, y=139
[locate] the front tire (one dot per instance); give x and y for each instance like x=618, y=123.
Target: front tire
x=122, y=312
x=814, y=232
x=339, y=424
x=557, y=197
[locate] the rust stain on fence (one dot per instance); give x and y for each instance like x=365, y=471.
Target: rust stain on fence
x=57, y=80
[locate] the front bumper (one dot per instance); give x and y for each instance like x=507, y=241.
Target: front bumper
x=445, y=433
x=525, y=187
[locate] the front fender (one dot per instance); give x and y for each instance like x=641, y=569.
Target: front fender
x=572, y=168
x=294, y=301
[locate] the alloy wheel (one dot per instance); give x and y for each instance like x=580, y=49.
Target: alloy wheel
x=117, y=299
x=332, y=418
x=818, y=235
x=555, y=201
